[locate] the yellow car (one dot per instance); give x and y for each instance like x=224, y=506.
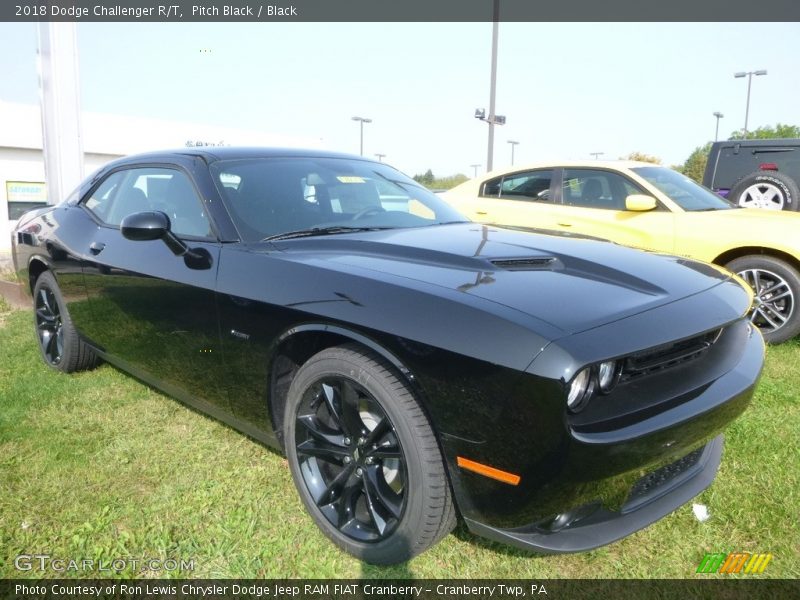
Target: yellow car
x=654, y=208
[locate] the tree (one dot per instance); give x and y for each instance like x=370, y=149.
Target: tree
x=425, y=179
x=695, y=165
x=445, y=183
x=642, y=157
x=439, y=183
x=768, y=132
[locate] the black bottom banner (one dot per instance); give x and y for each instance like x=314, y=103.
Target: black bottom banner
x=424, y=589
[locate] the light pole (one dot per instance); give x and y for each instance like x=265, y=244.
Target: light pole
x=513, y=143
x=596, y=154
x=475, y=169
x=380, y=156
x=492, y=120
x=719, y=115
x=361, y=121
x=749, y=75
x=493, y=83
x=480, y=113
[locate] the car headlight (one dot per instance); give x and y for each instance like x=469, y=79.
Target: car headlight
x=607, y=374
x=579, y=390
x=600, y=377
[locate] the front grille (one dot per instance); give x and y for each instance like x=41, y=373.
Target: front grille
x=668, y=355
x=657, y=478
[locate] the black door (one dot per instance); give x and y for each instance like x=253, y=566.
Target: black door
x=152, y=312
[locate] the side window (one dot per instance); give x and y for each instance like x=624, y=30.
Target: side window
x=102, y=198
x=492, y=187
x=135, y=190
x=529, y=185
x=597, y=189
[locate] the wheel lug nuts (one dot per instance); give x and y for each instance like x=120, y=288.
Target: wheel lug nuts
x=361, y=441
x=347, y=441
x=369, y=460
x=347, y=460
x=359, y=471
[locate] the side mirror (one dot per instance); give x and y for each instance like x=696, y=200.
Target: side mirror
x=155, y=225
x=640, y=203
x=145, y=226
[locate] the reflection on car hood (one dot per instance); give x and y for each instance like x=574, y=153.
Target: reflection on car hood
x=573, y=284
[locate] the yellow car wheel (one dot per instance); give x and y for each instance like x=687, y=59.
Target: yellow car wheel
x=777, y=289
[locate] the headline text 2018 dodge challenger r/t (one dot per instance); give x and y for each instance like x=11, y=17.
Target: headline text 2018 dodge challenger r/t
x=553, y=392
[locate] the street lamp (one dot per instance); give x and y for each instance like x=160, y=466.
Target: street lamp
x=749, y=75
x=380, y=156
x=596, y=154
x=513, y=143
x=475, y=169
x=719, y=115
x=361, y=121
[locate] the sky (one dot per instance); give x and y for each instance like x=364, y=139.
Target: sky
x=566, y=89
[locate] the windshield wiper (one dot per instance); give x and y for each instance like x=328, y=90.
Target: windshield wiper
x=332, y=230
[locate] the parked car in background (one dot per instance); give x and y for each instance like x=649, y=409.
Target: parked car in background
x=654, y=208
x=555, y=393
x=756, y=173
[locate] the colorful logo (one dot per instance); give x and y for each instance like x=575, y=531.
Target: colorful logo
x=735, y=562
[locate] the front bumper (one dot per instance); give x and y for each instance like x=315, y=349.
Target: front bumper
x=652, y=497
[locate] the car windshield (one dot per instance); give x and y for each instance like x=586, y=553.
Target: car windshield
x=288, y=197
x=683, y=191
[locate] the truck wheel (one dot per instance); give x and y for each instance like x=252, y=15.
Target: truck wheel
x=766, y=189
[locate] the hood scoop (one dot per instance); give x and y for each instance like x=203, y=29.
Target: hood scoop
x=528, y=263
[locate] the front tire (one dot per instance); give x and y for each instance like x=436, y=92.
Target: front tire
x=766, y=189
x=364, y=458
x=59, y=342
x=777, y=289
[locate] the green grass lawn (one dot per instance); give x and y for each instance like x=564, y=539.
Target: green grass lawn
x=99, y=466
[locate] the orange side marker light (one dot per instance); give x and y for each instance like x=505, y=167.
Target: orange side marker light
x=487, y=471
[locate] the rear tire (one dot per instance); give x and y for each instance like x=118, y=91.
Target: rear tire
x=777, y=288
x=364, y=458
x=59, y=342
x=766, y=189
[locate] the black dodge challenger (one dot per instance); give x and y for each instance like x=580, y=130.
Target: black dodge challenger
x=555, y=393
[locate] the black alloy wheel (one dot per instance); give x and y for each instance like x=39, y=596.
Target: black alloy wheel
x=49, y=326
x=59, y=342
x=364, y=458
x=351, y=460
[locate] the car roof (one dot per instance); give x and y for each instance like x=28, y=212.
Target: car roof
x=760, y=142
x=575, y=164
x=215, y=153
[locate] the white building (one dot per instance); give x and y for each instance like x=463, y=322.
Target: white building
x=105, y=137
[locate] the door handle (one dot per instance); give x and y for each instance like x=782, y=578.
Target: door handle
x=481, y=212
x=563, y=224
x=96, y=247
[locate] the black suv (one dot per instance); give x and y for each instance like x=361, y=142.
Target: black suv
x=756, y=173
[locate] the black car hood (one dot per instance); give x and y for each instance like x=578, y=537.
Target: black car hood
x=572, y=284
